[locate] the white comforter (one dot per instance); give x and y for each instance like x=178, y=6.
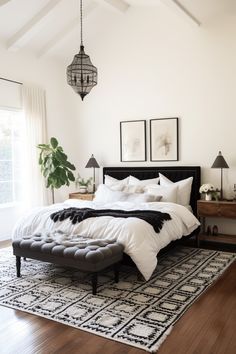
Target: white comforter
x=140, y=240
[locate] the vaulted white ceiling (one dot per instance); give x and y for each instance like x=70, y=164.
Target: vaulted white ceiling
x=52, y=27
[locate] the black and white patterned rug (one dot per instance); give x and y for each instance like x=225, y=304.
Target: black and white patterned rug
x=133, y=312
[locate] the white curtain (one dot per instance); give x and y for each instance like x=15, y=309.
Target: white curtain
x=34, y=107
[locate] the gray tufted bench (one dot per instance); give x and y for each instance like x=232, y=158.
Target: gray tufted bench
x=92, y=257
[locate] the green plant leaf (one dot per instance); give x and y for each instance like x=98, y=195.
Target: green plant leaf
x=45, y=172
x=54, y=142
x=40, y=158
x=43, y=146
x=70, y=176
x=55, y=161
x=61, y=156
x=70, y=166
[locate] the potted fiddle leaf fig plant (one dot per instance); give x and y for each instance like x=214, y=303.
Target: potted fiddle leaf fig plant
x=55, y=167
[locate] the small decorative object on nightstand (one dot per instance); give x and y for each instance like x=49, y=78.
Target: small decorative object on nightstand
x=216, y=209
x=207, y=190
x=215, y=230
x=83, y=189
x=82, y=184
x=82, y=196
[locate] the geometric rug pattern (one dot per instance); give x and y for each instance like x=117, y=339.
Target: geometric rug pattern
x=132, y=311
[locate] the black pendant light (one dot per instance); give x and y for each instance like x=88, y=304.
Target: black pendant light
x=81, y=73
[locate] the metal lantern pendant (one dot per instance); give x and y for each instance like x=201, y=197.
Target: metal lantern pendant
x=81, y=73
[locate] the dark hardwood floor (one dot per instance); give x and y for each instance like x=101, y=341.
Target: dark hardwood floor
x=208, y=327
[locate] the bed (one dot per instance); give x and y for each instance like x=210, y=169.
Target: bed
x=141, y=243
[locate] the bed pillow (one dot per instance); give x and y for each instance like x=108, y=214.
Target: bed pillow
x=142, y=182
x=169, y=193
x=106, y=195
x=133, y=189
x=142, y=198
x=116, y=184
x=184, y=191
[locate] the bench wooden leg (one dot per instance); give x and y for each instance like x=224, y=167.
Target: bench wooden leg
x=116, y=271
x=94, y=283
x=18, y=264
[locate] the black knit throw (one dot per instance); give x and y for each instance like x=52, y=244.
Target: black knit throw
x=153, y=217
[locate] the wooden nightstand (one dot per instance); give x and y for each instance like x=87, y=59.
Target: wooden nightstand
x=216, y=209
x=83, y=196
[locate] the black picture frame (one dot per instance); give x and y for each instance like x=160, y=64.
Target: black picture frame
x=164, y=139
x=133, y=141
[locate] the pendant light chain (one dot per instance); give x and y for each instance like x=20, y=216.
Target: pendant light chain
x=81, y=22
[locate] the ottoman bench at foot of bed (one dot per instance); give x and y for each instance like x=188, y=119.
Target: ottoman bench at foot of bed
x=92, y=257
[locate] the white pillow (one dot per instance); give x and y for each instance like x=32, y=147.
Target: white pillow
x=116, y=184
x=142, y=198
x=133, y=189
x=169, y=194
x=184, y=191
x=105, y=195
x=142, y=182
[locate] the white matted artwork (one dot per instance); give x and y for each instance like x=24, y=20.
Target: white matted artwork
x=164, y=139
x=133, y=141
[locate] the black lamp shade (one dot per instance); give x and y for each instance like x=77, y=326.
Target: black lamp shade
x=220, y=162
x=92, y=162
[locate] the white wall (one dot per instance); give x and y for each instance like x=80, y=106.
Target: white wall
x=153, y=64
x=61, y=112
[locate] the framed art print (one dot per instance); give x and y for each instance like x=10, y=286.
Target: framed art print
x=133, y=141
x=164, y=139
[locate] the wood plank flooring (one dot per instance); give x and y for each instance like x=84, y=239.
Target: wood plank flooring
x=208, y=327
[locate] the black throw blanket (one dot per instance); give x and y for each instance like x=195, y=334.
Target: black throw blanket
x=153, y=217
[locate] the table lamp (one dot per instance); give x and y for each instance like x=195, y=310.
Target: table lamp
x=92, y=163
x=220, y=163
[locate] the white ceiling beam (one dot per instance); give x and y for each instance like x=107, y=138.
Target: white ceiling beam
x=176, y=6
x=25, y=31
x=66, y=30
x=3, y=2
x=118, y=5
x=58, y=37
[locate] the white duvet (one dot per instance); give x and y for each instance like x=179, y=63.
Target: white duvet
x=140, y=240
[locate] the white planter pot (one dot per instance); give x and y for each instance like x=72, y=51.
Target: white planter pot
x=82, y=189
x=208, y=197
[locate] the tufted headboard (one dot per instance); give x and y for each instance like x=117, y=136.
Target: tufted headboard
x=175, y=174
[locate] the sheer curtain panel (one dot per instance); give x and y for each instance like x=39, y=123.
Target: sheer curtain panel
x=34, y=107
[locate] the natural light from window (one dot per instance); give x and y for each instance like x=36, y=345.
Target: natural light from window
x=11, y=156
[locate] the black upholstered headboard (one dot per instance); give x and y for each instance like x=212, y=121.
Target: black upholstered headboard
x=173, y=173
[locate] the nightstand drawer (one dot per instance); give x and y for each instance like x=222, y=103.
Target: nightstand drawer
x=208, y=209
x=82, y=196
x=228, y=211
x=218, y=209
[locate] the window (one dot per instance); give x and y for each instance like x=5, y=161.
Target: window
x=11, y=156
